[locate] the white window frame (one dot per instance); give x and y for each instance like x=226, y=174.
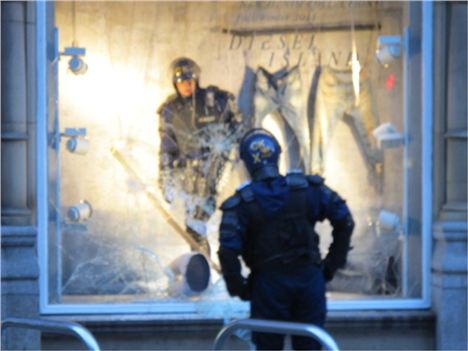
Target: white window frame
x=186, y=309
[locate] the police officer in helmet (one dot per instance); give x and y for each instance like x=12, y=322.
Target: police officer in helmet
x=190, y=122
x=269, y=223
x=185, y=76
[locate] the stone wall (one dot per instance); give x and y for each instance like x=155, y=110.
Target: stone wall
x=20, y=269
x=449, y=259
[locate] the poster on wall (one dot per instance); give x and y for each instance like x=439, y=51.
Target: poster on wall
x=169, y=90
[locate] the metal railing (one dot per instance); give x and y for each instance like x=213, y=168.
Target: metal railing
x=57, y=327
x=277, y=327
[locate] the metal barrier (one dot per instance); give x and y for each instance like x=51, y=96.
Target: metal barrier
x=277, y=327
x=58, y=327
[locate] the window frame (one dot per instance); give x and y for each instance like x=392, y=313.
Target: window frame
x=185, y=309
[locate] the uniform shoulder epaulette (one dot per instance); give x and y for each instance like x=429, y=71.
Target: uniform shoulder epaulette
x=219, y=93
x=243, y=185
x=296, y=179
x=166, y=104
x=231, y=202
x=213, y=89
x=245, y=192
x=315, y=179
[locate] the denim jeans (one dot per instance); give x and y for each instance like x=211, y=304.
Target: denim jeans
x=278, y=94
x=308, y=133
x=334, y=102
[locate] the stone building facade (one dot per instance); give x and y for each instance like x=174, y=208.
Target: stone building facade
x=28, y=90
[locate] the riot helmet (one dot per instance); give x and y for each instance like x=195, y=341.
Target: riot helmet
x=260, y=152
x=183, y=68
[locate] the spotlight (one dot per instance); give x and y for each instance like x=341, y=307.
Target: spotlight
x=78, y=145
x=77, y=142
x=387, y=136
x=388, y=221
x=80, y=212
x=76, y=63
x=388, y=49
x=192, y=275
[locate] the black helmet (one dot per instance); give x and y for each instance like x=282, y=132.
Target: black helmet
x=260, y=152
x=183, y=68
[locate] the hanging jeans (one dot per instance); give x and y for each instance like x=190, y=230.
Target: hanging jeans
x=279, y=95
x=334, y=102
x=330, y=100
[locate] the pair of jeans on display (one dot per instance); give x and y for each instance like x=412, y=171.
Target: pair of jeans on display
x=278, y=95
x=334, y=101
x=308, y=134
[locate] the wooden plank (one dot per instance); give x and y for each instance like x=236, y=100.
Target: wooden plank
x=162, y=211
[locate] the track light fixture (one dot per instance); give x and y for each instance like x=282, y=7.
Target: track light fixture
x=388, y=49
x=76, y=63
x=80, y=212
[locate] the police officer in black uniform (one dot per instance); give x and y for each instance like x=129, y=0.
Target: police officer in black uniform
x=191, y=124
x=270, y=224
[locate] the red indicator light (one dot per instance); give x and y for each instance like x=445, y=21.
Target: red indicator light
x=390, y=82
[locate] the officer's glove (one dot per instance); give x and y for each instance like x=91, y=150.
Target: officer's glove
x=327, y=271
x=245, y=291
x=236, y=284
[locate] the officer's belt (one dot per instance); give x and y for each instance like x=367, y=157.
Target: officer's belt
x=287, y=261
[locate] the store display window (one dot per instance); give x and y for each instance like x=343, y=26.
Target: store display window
x=137, y=170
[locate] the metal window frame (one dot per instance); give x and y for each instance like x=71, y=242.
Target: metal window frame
x=187, y=308
x=427, y=145
x=41, y=151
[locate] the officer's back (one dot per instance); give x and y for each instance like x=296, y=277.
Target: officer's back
x=270, y=223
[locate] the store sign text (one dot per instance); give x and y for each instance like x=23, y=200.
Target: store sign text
x=297, y=49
